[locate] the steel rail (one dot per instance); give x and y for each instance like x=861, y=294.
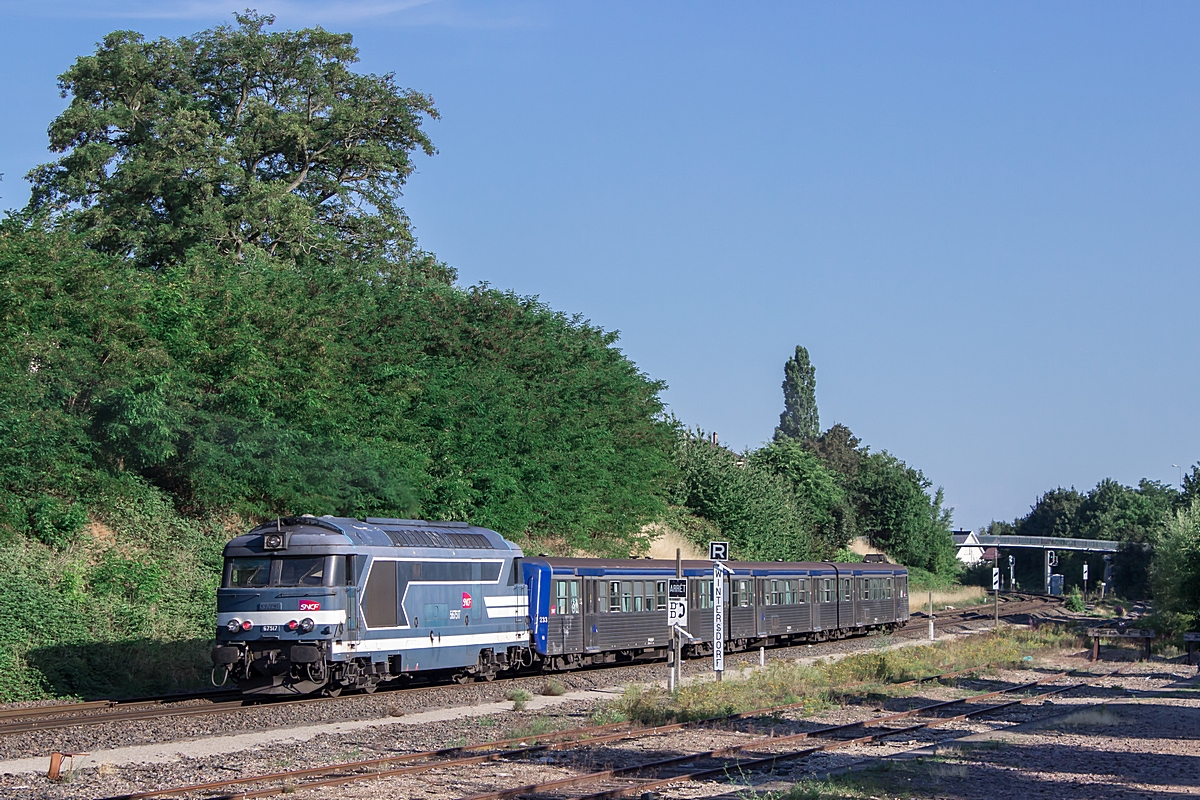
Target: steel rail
x=626, y=734
x=576, y=780
x=615, y=727
x=771, y=760
x=122, y=712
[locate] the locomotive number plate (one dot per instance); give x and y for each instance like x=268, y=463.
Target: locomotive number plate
x=270, y=628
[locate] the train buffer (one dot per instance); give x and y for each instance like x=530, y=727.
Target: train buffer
x=1190, y=639
x=1097, y=634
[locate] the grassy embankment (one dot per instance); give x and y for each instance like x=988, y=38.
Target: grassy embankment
x=827, y=683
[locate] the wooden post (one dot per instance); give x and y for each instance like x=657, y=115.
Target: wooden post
x=1148, y=642
x=1095, y=648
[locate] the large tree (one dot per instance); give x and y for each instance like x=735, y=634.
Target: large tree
x=799, y=418
x=238, y=138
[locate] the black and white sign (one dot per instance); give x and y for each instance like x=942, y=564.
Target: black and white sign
x=996, y=578
x=1085, y=570
x=677, y=602
x=718, y=618
x=718, y=551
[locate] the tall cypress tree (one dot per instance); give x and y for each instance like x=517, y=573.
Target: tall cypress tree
x=799, y=418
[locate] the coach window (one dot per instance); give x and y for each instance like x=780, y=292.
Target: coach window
x=649, y=606
x=802, y=590
x=626, y=596
x=866, y=588
x=846, y=594
x=745, y=596
x=560, y=598
x=614, y=597
x=660, y=589
x=639, y=592
x=887, y=589
x=735, y=594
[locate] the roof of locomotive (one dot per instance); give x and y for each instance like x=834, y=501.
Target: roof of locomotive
x=306, y=534
x=657, y=565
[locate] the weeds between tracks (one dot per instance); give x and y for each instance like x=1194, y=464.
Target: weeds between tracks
x=828, y=683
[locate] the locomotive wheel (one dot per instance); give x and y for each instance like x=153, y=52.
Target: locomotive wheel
x=462, y=678
x=371, y=687
x=332, y=691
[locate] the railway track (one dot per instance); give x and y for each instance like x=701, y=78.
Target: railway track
x=504, y=748
x=628, y=780
x=71, y=715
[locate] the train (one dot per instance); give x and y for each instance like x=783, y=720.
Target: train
x=321, y=605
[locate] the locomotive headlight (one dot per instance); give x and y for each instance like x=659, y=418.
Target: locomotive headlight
x=273, y=541
x=233, y=626
x=306, y=625
x=291, y=626
x=247, y=625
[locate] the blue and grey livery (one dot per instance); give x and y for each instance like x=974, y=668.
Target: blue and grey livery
x=320, y=603
x=312, y=604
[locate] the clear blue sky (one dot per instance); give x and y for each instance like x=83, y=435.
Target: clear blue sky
x=981, y=219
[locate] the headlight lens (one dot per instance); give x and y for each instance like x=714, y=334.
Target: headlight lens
x=273, y=541
x=291, y=626
x=233, y=626
x=247, y=625
x=306, y=625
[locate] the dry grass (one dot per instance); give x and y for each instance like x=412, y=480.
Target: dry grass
x=960, y=597
x=822, y=684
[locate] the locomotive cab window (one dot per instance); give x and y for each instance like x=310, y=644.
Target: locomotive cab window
x=302, y=571
x=247, y=573
x=256, y=572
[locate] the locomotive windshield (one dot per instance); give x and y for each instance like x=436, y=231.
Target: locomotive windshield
x=246, y=573
x=251, y=572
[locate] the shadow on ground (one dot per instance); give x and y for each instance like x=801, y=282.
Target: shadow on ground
x=130, y=668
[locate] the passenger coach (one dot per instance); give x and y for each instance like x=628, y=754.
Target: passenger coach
x=593, y=611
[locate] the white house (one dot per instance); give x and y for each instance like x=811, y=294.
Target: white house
x=969, y=549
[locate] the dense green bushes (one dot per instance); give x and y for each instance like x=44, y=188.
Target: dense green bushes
x=797, y=500
x=261, y=387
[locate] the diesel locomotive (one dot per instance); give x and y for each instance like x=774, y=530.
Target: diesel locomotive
x=322, y=604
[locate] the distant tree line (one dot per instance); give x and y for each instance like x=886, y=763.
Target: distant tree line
x=1157, y=525
x=806, y=494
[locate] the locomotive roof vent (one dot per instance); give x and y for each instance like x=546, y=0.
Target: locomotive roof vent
x=409, y=537
x=415, y=523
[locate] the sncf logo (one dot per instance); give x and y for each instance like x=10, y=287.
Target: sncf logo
x=466, y=600
x=310, y=605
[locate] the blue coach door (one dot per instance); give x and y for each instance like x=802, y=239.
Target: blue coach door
x=537, y=579
x=566, y=616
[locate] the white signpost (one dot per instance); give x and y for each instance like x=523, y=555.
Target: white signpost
x=677, y=603
x=677, y=606
x=718, y=618
x=995, y=579
x=717, y=553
